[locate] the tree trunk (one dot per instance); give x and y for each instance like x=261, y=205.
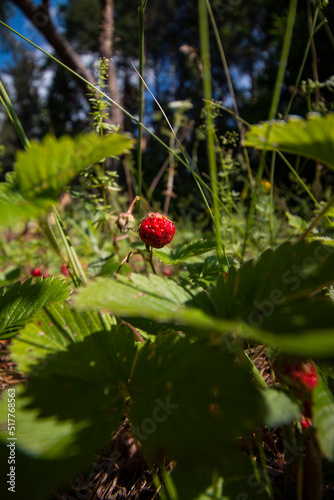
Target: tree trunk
x=41, y=19
x=106, y=51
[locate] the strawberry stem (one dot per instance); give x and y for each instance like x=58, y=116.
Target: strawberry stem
x=151, y=259
x=137, y=198
x=147, y=259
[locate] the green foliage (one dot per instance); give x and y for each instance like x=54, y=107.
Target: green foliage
x=323, y=401
x=177, y=408
x=312, y=138
x=185, y=251
x=269, y=300
x=47, y=167
x=180, y=360
x=19, y=302
x=76, y=396
x=53, y=329
x=154, y=297
x=56, y=449
x=281, y=409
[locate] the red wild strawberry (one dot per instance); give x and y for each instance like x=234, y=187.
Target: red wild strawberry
x=297, y=374
x=64, y=269
x=36, y=272
x=305, y=422
x=156, y=230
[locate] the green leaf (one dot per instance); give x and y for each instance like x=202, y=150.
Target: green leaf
x=312, y=138
x=19, y=302
x=280, y=277
x=323, y=415
x=72, y=404
x=281, y=410
x=271, y=300
x=296, y=222
x=205, y=272
x=45, y=168
x=13, y=207
x=185, y=251
x=153, y=297
x=54, y=450
x=52, y=439
x=187, y=394
x=95, y=369
x=52, y=329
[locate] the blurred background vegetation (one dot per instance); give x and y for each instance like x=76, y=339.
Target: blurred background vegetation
x=49, y=99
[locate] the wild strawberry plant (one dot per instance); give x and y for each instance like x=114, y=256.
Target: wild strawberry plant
x=172, y=350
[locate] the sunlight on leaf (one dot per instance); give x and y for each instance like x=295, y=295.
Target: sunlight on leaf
x=19, y=302
x=312, y=138
x=323, y=412
x=47, y=167
x=185, y=252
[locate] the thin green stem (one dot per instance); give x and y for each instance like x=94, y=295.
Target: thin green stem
x=269, y=487
x=272, y=176
x=288, y=441
x=151, y=261
x=300, y=465
x=249, y=364
x=141, y=9
x=272, y=112
x=318, y=218
x=186, y=163
x=253, y=204
x=299, y=179
x=79, y=273
x=300, y=72
x=231, y=89
x=207, y=89
x=284, y=58
x=9, y=108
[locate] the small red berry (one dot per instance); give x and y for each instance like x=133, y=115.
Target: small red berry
x=64, y=270
x=305, y=422
x=297, y=374
x=36, y=272
x=156, y=230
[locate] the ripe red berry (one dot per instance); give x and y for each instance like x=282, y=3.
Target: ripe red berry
x=36, y=272
x=64, y=269
x=156, y=230
x=300, y=375
x=305, y=422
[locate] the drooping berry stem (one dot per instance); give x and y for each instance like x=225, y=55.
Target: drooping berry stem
x=137, y=198
x=151, y=258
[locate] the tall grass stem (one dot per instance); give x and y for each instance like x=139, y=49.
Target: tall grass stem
x=207, y=90
x=141, y=9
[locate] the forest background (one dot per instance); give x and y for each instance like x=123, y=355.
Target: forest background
x=48, y=98
x=243, y=310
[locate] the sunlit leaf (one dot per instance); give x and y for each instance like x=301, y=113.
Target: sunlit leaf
x=46, y=167
x=323, y=414
x=185, y=252
x=312, y=138
x=153, y=297
x=19, y=302
x=52, y=329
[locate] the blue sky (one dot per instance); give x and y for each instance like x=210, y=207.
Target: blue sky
x=21, y=24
